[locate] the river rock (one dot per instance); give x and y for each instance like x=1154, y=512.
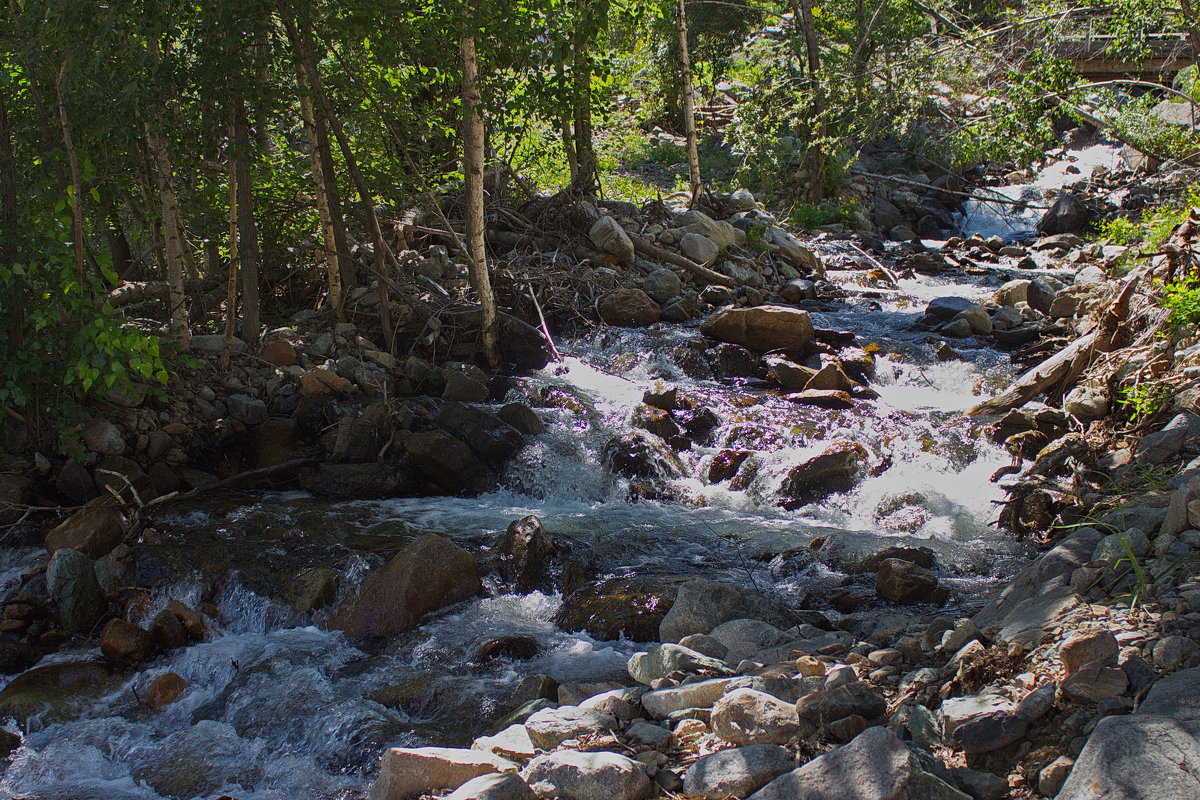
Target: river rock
x=701, y=605
x=522, y=553
x=94, y=531
x=699, y=248
x=904, y=582
x=312, y=589
x=761, y=328
x=462, y=388
x=523, y=418
x=945, y=309
x=609, y=237
x=449, y=462
x=56, y=691
x=103, y=437
x=1085, y=648
x=736, y=772
x=663, y=659
x=662, y=285
x=246, y=409
x=569, y=775
x=164, y=690
x=629, y=308
x=426, y=575
x=550, y=727
x=1068, y=214
x=71, y=581
x=407, y=773
x=1012, y=292
x=125, y=642
x=640, y=454
x=630, y=607
x=505, y=786
x=875, y=766
x=662, y=703
x=492, y=439
x=742, y=638
x=831, y=470
x=746, y=717
x=824, y=707
x=1040, y=295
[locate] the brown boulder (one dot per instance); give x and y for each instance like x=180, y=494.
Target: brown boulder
x=279, y=353
x=14, y=491
x=323, y=381
x=634, y=607
x=94, y=531
x=629, y=308
x=761, y=328
x=164, y=690
x=428, y=574
x=449, y=462
x=904, y=582
x=831, y=470
x=125, y=642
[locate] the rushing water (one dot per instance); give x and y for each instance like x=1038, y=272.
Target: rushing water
x=277, y=707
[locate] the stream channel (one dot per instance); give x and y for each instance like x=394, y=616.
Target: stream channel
x=278, y=708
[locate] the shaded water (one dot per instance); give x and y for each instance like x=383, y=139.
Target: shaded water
x=277, y=707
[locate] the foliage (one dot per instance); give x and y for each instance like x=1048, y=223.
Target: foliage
x=806, y=216
x=1144, y=399
x=1183, y=300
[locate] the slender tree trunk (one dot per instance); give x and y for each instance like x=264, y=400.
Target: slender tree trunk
x=247, y=230
x=689, y=107
x=382, y=253
x=1190, y=13
x=337, y=211
x=35, y=89
x=473, y=144
x=172, y=234
x=8, y=186
x=568, y=140
x=333, y=257
x=802, y=13
x=234, y=257
x=76, y=186
x=581, y=74
x=118, y=245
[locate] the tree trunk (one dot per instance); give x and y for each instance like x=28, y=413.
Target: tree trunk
x=234, y=257
x=333, y=257
x=247, y=230
x=581, y=73
x=8, y=186
x=172, y=235
x=76, y=187
x=337, y=211
x=1192, y=25
x=35, y=89
x=802, y=13
x=689, y=107
x=473, y=143
x=382, y=253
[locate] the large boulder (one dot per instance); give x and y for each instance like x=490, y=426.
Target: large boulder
x=761, y=328
x=1068, y=214
x=663, y=659
x=428, y=574
x=629, y=607
x=736, y=772
x=492, y=439
x=820, y=475
x=701, y=605
x=640, y=454
x=662, y=285
x=629, y=308
x=522, y=554
x=746, y=717
x=73, y=587
x=609, y=237
x=57, y=691
x=569, y=775
x=550, y=727
x=875, y=766
x=449, y=462
x=905, y=582
x=408, y=773
x=94, y=530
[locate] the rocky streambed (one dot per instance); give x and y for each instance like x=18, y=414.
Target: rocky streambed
x=785, y=492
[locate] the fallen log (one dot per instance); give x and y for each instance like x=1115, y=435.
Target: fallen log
x=1060, y=371
x=648, y=248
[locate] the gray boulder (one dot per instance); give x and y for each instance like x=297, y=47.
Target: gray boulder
x=874, y=766
x=736, y=772
x=569, y=775
x=661, y=660
x=746, y=717
x=702, y=605
x=71, y=581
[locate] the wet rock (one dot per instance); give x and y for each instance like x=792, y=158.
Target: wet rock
x=164, y=690
x=639, y=454
x=522, y=418
x=408, y=773
x=428, y=574
x=629, y=308
x=733, y=361
x=904, y=582
x=312, y=589
x=94, y=531
x=824, y=707
x=125, y=642
x=462, y=388
x=506, y=786
x=830, y=378
x=736, y=772
x=762, y=328
x=9, y=742
x=662, y=285
x=571, y=775
x=820, y=475
x=823, y=398
x=550, y=727
x=662, y=703
x=56, y=691
x=747, y=717
x=701, y=605
x=875, y=766
x=16, y=656
x=492, y=439
x=449, y=462
x=1068, y=214
x=656, y=421
x=630, y=607
x=356, y=481
x=945, y=309
x=518, y=646
x=71, y=581
x=523, y=552
x=725, y=464
x=661, y=660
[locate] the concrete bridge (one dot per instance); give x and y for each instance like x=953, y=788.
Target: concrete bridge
x=1168, y=53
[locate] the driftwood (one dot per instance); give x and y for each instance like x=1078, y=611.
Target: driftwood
x=1064, y=368
x=648, y=248
x=131, y=292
